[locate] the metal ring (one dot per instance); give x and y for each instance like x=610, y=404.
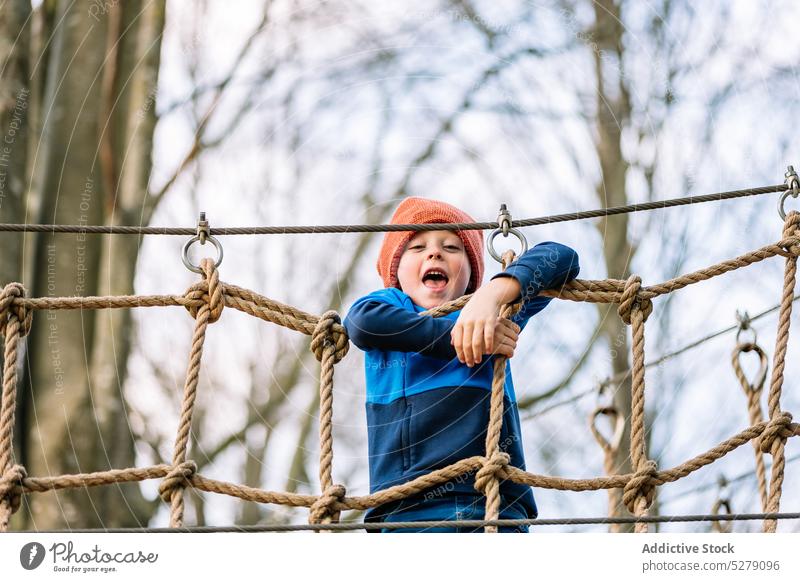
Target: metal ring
x=786, y=194
x=513, y=231
x=185, y=252
x=739, y=333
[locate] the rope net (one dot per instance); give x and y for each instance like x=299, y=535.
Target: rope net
x=206, y=299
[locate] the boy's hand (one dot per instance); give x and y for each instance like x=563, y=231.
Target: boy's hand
x=480, y=330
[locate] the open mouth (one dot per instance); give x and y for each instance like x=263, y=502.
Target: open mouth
x=435, y=279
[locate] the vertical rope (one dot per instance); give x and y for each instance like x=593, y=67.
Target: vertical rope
x=172, y=486
x=326, y=418
x=753, y=394
x=9, y=403
x=15, y=322
x=487, y=479
x=609, y=452
x=639, y=492
x=775, y=442
x=638, y=452
x=329, y=350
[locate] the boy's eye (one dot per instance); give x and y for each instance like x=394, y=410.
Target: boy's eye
x=453, y=247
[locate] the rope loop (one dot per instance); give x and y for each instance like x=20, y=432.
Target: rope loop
x=11, y=487
x=493, y=468
x=209, y=291
x=778, y=430
x=324, y=508
x=10, y=304
x=609, y=446
x=179, y=477
x=630, y=300
x=720, y=526
x=324, y=335
x=756, y=386
x=642, y=484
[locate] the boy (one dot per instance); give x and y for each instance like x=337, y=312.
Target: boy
x=429, y=379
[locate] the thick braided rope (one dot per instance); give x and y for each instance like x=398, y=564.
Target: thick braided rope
x=605, y=291
x=172, y=487
x=12, y=332
x=775, y=440
x=660, y=478
x=778, y=429
x=639, y=493
x=753, y=393
x=487, y=480
x=324, y=347
x=15, y=322
x=609, y=452
x=611, y=290
x=398, y=492
x=238, y=298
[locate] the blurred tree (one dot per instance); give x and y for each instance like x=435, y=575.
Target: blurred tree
x=92, y=79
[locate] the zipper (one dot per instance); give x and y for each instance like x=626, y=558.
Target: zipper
x=405, y=438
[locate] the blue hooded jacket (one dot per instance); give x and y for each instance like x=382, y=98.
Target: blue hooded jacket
x=427, y=410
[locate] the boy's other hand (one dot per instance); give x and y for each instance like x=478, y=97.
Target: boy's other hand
x=480, y=330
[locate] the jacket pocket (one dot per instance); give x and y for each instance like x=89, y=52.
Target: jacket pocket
x=405, y=437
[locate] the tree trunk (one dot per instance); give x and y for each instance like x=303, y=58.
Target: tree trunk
x=613, y=113
x=97, y=125
x=15, y=105
x=126, y=173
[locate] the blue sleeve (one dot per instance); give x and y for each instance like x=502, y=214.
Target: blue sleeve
x=547, y=265
x=374, y=323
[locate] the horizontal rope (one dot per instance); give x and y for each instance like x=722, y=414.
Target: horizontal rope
x=595, y=291
x=397, y=492
x=244, y=300
x=624, y=373
x=353, y=228
x=474, y=523
x=715, y=485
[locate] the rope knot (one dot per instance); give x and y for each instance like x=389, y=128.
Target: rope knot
x=642, y=484
x=10, y=305
x=631, y=300
x=778, y=430
x=11, y=487
x=791, y=233
x=207, y=292
x=179, y=477
x=493, y=468
x=328, y=332
x=324, y=509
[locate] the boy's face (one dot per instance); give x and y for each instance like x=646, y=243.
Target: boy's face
x=440, y=250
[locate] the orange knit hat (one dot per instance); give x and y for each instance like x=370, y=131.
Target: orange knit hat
x=414, y=210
